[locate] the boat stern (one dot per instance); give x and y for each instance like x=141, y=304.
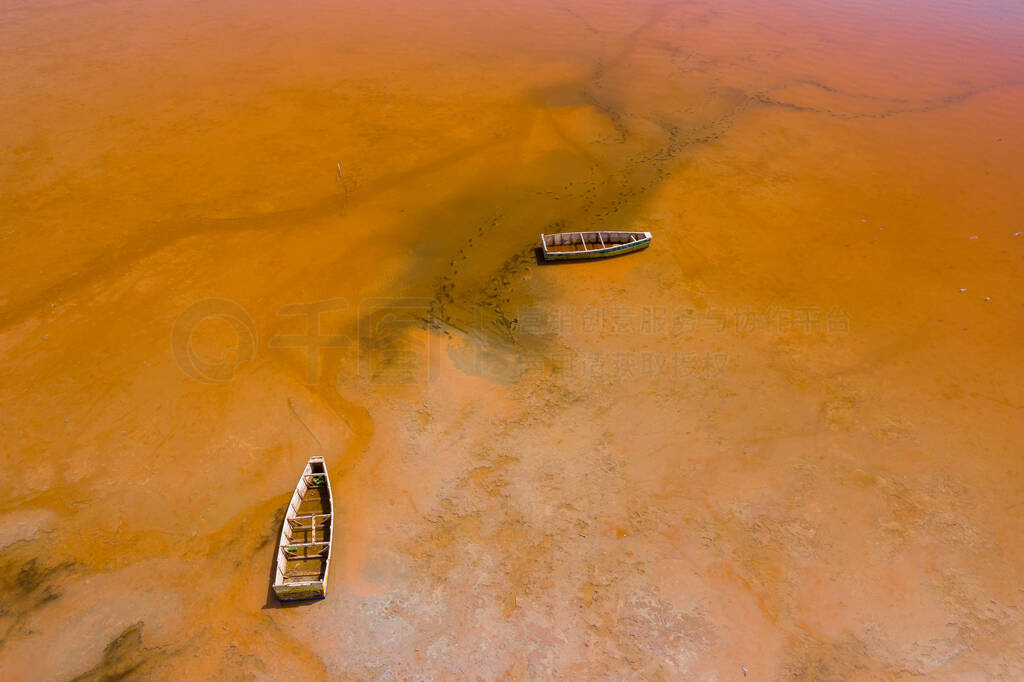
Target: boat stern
x=301, y=591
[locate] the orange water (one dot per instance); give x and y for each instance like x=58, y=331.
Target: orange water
x=781, y=442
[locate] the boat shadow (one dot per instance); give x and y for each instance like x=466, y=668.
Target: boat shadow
x=272, y=602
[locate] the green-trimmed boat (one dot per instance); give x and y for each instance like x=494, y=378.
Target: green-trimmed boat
x=587, y=245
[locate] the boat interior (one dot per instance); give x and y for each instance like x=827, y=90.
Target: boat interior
x=307, y=533
x=589, y=241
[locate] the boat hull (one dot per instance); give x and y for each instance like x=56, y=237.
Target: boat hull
x=304, y=549
x=617, y=250
x=551, y=252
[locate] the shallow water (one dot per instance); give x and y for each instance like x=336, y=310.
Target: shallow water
x=782, y=442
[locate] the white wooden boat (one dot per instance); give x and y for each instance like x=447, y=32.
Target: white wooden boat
x=304, y=551
x=583, y=245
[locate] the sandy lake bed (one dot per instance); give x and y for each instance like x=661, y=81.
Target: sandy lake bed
x=783, y=442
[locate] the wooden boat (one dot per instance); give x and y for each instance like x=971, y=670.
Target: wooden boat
x=304, y=551
x=581, y=245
